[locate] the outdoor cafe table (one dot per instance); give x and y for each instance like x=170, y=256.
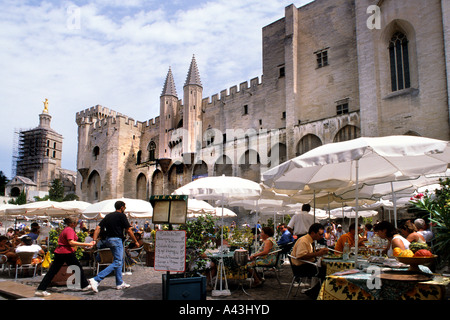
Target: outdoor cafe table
x=354, y=286
x=336, y=265
x=231, y=268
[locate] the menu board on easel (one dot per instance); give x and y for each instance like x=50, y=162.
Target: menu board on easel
x=170, y=251
x=169, y=209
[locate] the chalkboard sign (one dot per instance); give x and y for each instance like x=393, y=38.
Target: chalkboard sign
x=170, y=251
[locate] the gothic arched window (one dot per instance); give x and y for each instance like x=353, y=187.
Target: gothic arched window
x=151, y=151
x=399, y=60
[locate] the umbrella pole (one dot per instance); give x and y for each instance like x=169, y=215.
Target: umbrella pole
x=394, y=199
x=221, y=270
x=356, y=213
x=314, y=206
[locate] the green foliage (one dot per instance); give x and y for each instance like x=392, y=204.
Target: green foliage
x=438, y=205
x=241, y=237
x=53, y=236
x=21, y=199
x=45, y=198
x=71, y=197
x=56, y=191
x=199, y=237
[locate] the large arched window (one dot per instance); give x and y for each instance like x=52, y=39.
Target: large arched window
x=348, y=132
x=399, y=60
x=307, y=143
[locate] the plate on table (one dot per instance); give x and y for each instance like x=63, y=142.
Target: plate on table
x=405, y=276
x=333, y=257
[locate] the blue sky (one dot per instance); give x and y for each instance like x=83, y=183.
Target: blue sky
x=117, y=53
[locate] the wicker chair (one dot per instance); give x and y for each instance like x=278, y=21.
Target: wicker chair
x=106, y=258
x=26, y=262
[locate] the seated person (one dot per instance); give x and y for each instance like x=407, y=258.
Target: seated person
x=303, y=250
x=90, y=237
x=7, y=249
x=34, y=232
x=286, y=236
x=423, y=229
x=350, y=238
x=330, y=237
x=262, y=256
x=132, y=245
x=386, y=230
x=28, y=246
x=409, y=231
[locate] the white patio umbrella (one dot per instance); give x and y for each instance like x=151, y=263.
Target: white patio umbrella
x=226, y=212
x=5, y=206
x=197, y=208
x=46, y=208
x=350, y=212
x=396, y=189
x=220, y=188
x=363, y=160
x=135, y=208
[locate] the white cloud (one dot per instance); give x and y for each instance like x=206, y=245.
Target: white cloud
x=119, y=57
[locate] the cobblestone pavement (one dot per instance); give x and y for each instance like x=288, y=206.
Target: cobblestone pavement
x=146, y=284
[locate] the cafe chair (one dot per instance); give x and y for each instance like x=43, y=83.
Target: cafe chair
x=3, y=261
x=139, y=252
x=298, y=277
x=286, y=249
x=26, y=259
x=275, y=267
x=105, y=256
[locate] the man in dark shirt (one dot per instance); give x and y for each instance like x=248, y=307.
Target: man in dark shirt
x=112, y=231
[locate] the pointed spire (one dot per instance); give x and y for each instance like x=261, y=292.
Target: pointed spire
x=193, y=76
x=169, y=86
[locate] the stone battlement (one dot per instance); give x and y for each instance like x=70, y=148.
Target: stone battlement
x=251, y=88
x=100, y=117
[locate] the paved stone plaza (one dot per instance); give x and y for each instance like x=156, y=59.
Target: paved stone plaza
x=146, y=284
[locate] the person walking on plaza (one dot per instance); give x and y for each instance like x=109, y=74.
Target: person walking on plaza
x=65, y=253
x=112, y=231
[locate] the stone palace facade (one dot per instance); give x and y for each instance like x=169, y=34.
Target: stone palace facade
x=333, y=70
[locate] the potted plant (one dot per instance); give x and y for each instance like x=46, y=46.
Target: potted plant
x=241, y=237
x=438, y=206
x=199, y=237
x=191, y=285
x=218, y=235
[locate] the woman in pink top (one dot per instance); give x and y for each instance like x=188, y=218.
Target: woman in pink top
x=65, y=253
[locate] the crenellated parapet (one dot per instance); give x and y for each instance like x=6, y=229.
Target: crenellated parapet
x=245, y=89
x=94, y=114
x=101, y=118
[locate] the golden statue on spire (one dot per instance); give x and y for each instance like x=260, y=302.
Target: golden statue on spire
x=45, y=106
